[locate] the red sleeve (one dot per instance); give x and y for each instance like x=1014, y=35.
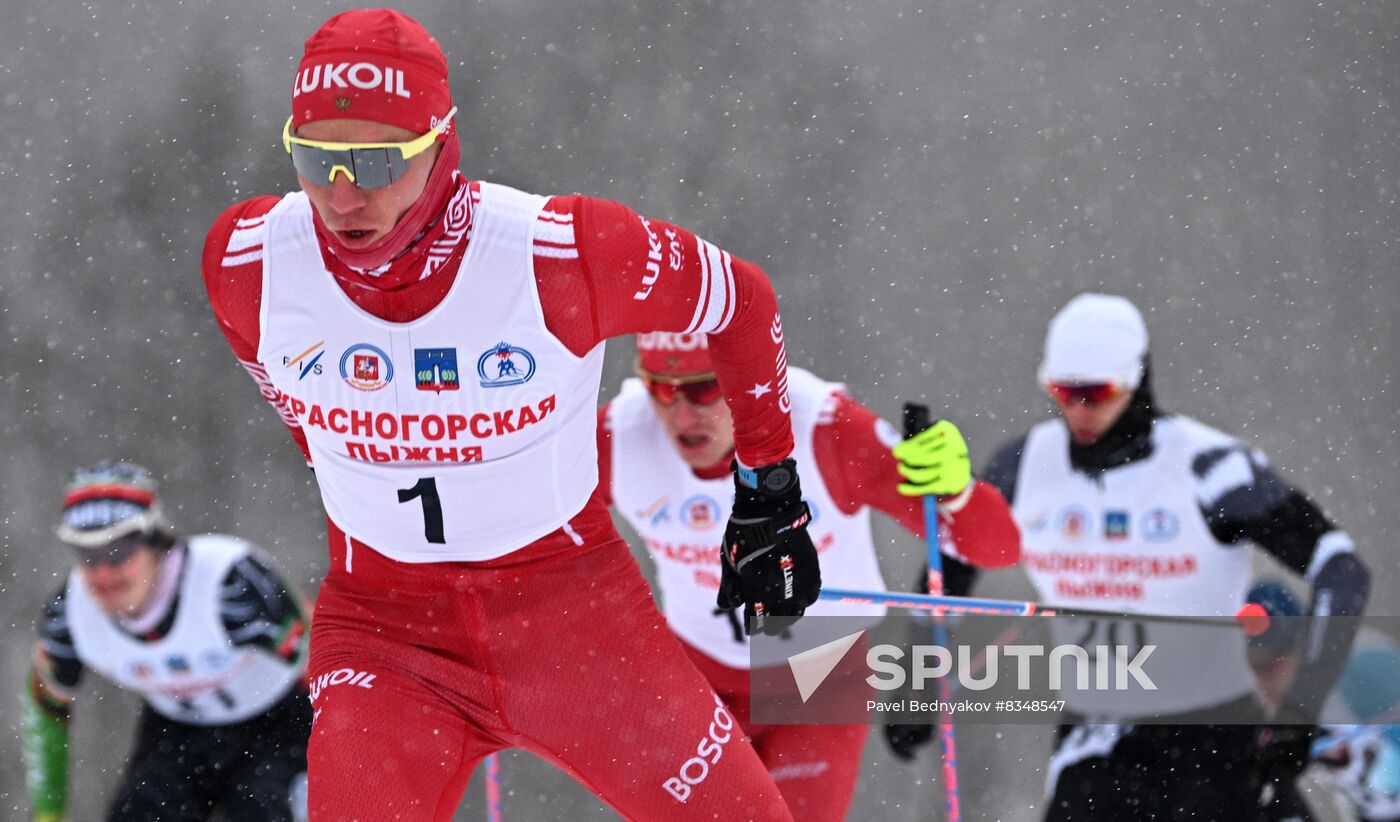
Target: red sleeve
x=604, y=455
x=605, y=271
x=232, y=268
x=852, y=448
x=983, y=530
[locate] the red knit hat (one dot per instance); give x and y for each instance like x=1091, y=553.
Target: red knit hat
x=664, y=354
x=372, y=64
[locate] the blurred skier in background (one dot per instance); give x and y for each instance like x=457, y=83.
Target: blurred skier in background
x=1355, y=766
x=665, y=443
x=1364, y=761
x=202, y=628
x=1123, y=506
x=435, y=345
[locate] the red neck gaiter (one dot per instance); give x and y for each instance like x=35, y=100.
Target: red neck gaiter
x=398, y=257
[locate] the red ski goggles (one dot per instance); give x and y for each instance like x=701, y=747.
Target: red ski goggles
x=1083, y=394
x=698, y=389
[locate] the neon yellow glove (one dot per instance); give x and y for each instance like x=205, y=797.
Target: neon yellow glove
x=934, y=461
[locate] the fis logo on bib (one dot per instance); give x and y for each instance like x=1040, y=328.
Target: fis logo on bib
x=505, y=364
x=656, y=513
x=435, y=369
x=307, y=362
x=365, y=367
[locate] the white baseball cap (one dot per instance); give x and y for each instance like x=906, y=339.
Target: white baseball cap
x=1095, y=338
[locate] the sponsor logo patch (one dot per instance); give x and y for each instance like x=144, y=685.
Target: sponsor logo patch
x=1073, y=522
x=708, y=752
x=699, y=513
x=670, y=341
x=505, y=364
x=435, y=369
x=341, y=676
x=1115, y=525
x=363, y=76
x=365, y=367
x=1160, y=525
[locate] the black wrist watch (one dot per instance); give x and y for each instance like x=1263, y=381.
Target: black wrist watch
x=774, y=481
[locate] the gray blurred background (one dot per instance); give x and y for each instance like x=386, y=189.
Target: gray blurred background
x=925, y=184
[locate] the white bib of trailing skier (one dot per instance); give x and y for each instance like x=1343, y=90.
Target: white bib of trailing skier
x=1133, y=539
x=193, y=674
x=682, y=518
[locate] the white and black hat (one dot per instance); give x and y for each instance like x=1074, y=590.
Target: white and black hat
x=109, y=501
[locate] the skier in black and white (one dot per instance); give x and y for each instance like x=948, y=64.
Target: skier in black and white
x=1125, y=507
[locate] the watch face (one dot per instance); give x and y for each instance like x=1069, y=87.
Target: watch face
x=777, y=480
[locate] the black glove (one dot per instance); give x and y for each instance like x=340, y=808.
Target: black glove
x=906, y=740
x=768, y=563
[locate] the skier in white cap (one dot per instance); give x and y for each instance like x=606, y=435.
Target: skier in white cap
x=1123, y=507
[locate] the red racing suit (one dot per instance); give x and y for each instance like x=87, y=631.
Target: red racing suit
x=418, y=671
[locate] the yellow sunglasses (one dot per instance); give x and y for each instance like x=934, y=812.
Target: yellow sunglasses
x=367, y=165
